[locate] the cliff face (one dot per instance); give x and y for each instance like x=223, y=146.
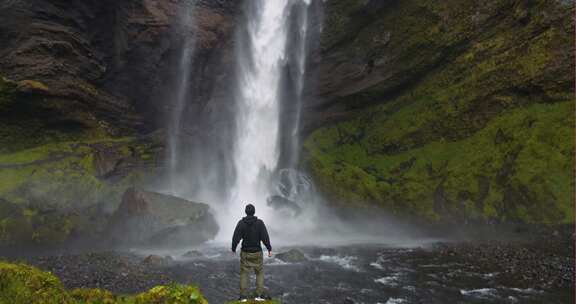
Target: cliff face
x=101, y=66
x=82, y=86
x=447, y=110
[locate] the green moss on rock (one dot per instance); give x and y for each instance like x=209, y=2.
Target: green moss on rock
x=20, y=283
x=53, y=192
x=519, y=167
x=472, y=118
x=24, y=284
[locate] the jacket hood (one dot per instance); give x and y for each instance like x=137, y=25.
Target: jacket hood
x=250, y=219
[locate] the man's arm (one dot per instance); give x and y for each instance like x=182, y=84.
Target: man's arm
x=237, y=236
x=264, y=237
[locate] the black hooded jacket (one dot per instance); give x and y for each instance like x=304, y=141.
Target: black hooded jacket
x=251, y=231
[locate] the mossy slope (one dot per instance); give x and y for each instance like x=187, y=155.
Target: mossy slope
x=56, y=191
x=24, y=284
x=61, y=170
x=482, y=126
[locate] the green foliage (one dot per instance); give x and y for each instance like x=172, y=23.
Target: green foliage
x=23, y=284
x=177, y=294
x=93, y=296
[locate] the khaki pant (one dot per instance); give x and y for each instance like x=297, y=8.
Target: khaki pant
x=248, y=261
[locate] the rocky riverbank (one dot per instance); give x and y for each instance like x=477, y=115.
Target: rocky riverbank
x=531, y=271
x=548, y=265
x=24, y=284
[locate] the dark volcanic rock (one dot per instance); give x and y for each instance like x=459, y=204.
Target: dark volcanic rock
x=157, y=261
x=88, y=73
x=281, y=203
x=291, y=256
x=110, y=60
x=409, y=117
x=153, y=219
x=320, y=251
x=541, y=264
x=192, y=254
x=108, y=270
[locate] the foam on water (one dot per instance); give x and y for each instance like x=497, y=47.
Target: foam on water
x=391, y=280
x=480, y=292
x=396, y=301
x=377, y=265
x=346, y=262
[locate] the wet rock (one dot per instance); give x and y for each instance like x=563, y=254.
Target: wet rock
x=118, y=272
x=193, y=254
x=92, y=54
x=281, y=203
x=544, y=264
x=105, y=162
x=152, y=219
x=33, y=87
x=157, y=261
x=324, y=251
x=291, y=256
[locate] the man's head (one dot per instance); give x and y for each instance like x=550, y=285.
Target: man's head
x=250, y=210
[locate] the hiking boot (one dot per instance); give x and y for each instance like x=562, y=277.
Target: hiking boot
x=261, y=298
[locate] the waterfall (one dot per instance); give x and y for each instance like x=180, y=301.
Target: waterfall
x=271, y=59
x=256, y=151
x=301, y=57
x=181, y=94
x=258, y=155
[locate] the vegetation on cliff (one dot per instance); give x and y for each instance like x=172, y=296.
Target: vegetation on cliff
x=24, y=284
x=469, y=114
x=64, y=189
x=30, y=116
x=58, y=181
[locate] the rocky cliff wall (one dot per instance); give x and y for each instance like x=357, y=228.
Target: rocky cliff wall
x=447, y=110
x=84, y=94
x=453, y=110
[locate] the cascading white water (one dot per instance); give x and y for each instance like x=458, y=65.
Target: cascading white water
x=261, y=65
x=301, y=61
x=256, y=151
x=259, y=160
x=181, y=92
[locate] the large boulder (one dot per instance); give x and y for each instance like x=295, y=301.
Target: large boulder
x=152, y=219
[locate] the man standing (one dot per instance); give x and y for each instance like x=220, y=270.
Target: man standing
x=251, y=231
